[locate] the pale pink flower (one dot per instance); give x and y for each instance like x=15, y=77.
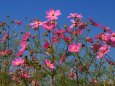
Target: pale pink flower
x=75, y=23
x=74, y=48
x=75, y=15
x=53, y=15
x=18, y=61
x=46, y=45
x=48, y=25
x=102, y=51
x=5, y=37
x=35, y=24
x=49, y=64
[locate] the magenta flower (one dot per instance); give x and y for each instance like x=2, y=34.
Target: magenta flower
x=46, y=45
x=6, y=52
x=53, y=15
x=48, y=25
x=74, y=48
x=26, y=36
x=75, y=15
x=35, y=24
x=102, y=51
x=106, y=38
x=49, y=64
x=94, y=23
x=59, y=33
x=95, y=47
x=62, y=58
x=55, y=39
x=113, y=40
x=23, y=44
x=5, y=37
x=18, y=61
x=18, y=22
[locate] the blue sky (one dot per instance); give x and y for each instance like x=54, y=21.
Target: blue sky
x=102, y=11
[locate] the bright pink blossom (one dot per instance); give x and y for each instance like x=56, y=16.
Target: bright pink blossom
x=18, y=61
x=48, y=25
x=74, y=48
x=26, y=36
x=49, y=64
x=102, y=51
x=53, y=15
x=46, y=45
x=23, y=44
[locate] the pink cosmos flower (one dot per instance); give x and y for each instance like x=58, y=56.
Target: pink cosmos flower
x=18, y=22
x=48, y=25
x=95, y=47
x=53, y=15
x=35, y=24
x=89, y=39
x=75, y=15
x=113, y=40
x=26, y=36
x=75, y=23
x=102, y=51
x=18, y=61
x=74, y=48
x=49, y=64
x=5, y=37
x=68, y=39
x=6, y=52
x=23, y=44
x=106, y=38
x=62, y=58
x=72, y=75
x=46, y=45
x=106, y=29
x=55, y=39
x=24, y=74
x=59, y=33
x=77, y=32
x=94, y=23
